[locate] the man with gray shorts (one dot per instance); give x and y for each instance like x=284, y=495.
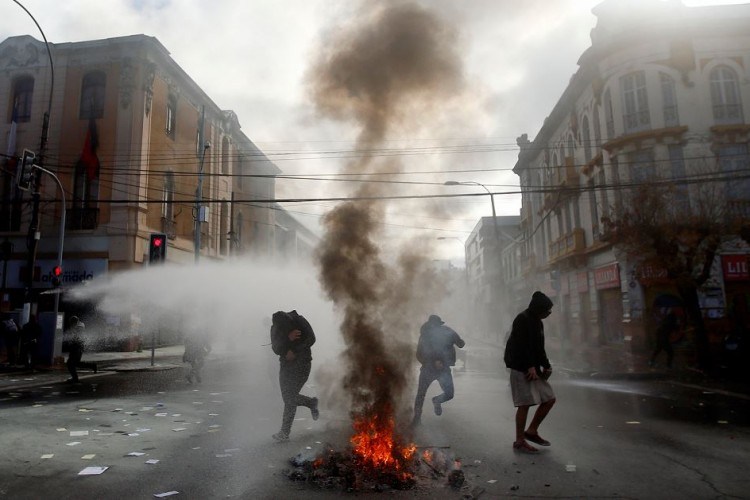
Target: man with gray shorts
x=529, y=371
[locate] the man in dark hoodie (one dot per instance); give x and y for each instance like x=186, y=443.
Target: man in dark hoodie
x=291, y=339
x=529, y=371
x=436, y=353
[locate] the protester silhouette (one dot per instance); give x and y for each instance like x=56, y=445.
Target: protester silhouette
x=437, y=353
x=291, y=339
x=76, y=347
x=197, y=348
x=529, y=370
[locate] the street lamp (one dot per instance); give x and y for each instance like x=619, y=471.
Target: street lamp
x=492, y=201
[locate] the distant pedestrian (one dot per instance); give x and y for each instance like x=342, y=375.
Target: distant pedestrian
x=668, y=326
x=10, y=338
x=437, y=353
x=529, y=370
x=197, y=348
x=31, y=336
x=76, y=346
x=291, y=339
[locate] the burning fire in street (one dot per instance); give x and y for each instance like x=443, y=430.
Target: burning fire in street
x=385, y=71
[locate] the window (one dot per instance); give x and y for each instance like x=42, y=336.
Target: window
x=635, y=114
x=677, y=164
x=586, y=139
x=642, y=167
x=669, y=99
x=167, y=208
x=597, y=129
x=84, y=213
x=725, y=96
x=92, y=95
x=609, y=114
x=171, y=121
x=23, y=93
x=225, y=155
x=734, y=164
x=601, y=180
x=594, y=210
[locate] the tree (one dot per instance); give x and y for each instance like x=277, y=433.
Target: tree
x=657, y=221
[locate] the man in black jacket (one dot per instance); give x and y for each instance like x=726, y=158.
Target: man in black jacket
x=529, y=371
x=436, y=353
x=291, y=339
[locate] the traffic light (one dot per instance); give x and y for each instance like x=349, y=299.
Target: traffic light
x=57, y=273
x=157, y=248
x=25, y=170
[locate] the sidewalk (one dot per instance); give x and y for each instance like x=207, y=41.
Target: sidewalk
x=164, y=358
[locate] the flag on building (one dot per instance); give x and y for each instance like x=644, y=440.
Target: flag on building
x=88, y=159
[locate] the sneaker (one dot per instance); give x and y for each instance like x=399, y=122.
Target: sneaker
x=280, y=437
x=438, y=407
x=314, y=409
x=536, y=438
x=524, y=447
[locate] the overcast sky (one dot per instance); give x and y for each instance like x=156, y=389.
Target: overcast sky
x=254, y=57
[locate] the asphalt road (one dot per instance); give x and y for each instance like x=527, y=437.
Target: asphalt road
x=610, y=439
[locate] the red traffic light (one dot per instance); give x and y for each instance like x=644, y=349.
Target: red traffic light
x=157, y=242
x=57, y=271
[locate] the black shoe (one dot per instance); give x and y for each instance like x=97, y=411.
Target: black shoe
x=96, y=368
x=314, y=409
x=72, y=381
x=438, y=407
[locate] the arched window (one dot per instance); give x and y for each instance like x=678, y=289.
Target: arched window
x=725, y=96
x=92, y=95
x=635, y=113
x=669, y=100
x=597, y=129
x=609, y=115
x=586, y=139
x=23, y=94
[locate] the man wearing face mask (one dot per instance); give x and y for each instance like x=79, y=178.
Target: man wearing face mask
x=529, y=370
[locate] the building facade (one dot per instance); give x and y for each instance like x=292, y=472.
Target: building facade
x=661, y=94
x=138, y=148
x=489, y=274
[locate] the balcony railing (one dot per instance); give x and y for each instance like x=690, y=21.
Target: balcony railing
x=82, y=219
x=568, y=245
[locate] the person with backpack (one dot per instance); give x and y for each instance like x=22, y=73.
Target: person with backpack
x=437, y=353
x=291, y=339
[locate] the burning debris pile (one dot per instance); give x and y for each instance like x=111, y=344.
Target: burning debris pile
x=387, y=70
x=353, y=472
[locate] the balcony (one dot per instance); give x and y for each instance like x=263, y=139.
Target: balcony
x=568, y=245
x=82, y=219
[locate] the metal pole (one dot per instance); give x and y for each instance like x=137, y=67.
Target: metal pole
x=57, y=347
x=33, y=234
x=199, y=190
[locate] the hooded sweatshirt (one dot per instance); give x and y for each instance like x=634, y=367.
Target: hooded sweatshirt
x=282, y=324
x=525, y=346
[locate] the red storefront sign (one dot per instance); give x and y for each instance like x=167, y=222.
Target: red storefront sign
x=607, y=277
x=735, y=267
x=652, y=274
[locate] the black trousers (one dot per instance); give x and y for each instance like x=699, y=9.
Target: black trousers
x=74, y=361
x=292, y=377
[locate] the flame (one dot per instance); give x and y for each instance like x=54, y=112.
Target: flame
x=376, y=446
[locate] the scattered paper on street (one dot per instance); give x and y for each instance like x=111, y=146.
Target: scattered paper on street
x=167, y=494
x=48, y=455
x=92, y=471
x=88, y=457
x=74, y=443
x=178, y=429
x=632, y=422
x=152, y=461
x=78, y=433
x=135, y=454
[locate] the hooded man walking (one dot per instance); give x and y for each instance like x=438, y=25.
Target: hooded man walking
x=291, y=339
x=436, y=353
x=529, y=371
